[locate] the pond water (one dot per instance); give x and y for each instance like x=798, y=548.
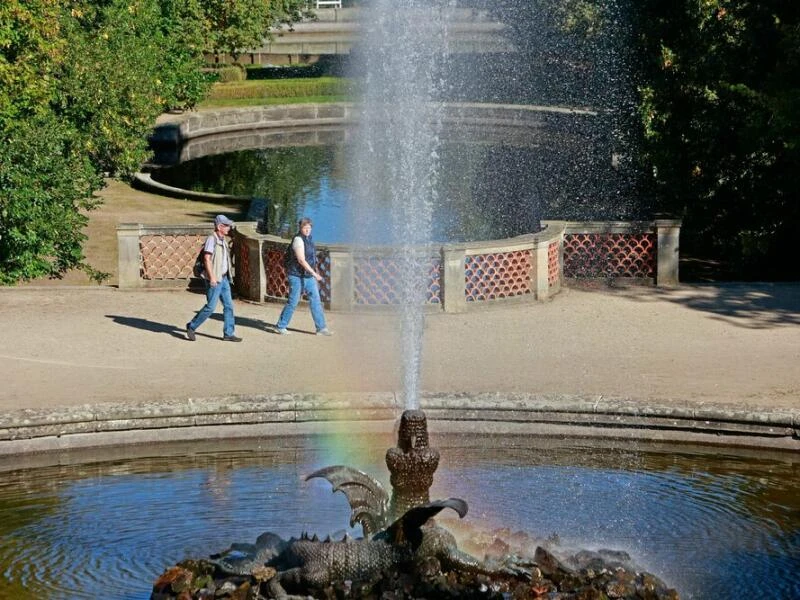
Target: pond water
x=484, y=191
x=713, y=523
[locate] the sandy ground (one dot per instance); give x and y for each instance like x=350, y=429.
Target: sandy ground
x=731, y=344
x=71, y=342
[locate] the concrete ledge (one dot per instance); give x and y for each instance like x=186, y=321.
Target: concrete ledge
x=115, y=424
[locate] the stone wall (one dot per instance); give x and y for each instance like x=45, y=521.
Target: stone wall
x=459, y=276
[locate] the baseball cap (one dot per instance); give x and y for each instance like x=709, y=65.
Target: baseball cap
x=222, y=220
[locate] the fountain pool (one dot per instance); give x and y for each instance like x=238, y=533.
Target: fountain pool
x=486, y=189
x=714, y=523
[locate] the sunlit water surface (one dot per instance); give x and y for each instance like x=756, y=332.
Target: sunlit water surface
x=715, y=524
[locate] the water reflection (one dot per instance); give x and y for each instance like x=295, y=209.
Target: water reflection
x=488, y=190
x=714, y=524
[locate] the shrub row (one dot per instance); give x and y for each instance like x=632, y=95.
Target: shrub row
x=282, y=88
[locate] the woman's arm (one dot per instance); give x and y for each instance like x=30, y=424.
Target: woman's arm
x=300, y=255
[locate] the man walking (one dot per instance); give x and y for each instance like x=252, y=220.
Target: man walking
x=217, y=263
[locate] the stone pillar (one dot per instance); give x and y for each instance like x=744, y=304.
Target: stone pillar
x=411, y=464
x=668, y=256
x=539, y=283
x=453, y=284
x=256, y=287
x=261, y=278
x=342, y=285
x=129, y=255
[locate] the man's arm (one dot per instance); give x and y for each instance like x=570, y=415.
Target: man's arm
x=209, y=268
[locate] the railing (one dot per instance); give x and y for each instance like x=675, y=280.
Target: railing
x=328, y=3
x=644, y=251
x=457, y=276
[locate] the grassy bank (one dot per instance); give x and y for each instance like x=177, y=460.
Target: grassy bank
x=279, y=91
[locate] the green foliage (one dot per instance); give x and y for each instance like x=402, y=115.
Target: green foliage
x=582, y=17
x=238, y=25
x=720, y=107
x=231, y=73
x=45, y=185
x=240, y=102
x=82, y=83
x=112, y=82
x=31, y=47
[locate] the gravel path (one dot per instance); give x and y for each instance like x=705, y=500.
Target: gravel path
x=727, y=344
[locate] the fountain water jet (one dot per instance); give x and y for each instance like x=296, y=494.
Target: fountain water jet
x=404, y=51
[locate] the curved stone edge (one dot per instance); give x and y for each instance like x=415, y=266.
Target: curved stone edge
x=175, y=129
x=145, y=182
x=120, y=423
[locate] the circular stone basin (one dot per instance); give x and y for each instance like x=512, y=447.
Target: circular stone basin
x=712, y=523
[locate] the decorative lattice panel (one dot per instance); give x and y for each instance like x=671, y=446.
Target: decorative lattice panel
x=497, y=275
x=609, y=255
x=169, y=256
x=377, y=280
x=278, y=283
x=242, y=263
x=552, y=264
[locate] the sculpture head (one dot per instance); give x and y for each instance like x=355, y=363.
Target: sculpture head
x=413, y=431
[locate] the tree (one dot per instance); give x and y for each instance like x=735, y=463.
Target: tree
x=46, y=184
x=82, y=83
x=238, y=25
x=720, y=108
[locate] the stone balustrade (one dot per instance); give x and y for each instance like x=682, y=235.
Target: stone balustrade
x=186, y=136
x=458, y=276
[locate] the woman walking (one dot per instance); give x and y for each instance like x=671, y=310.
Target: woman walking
x=303, y=278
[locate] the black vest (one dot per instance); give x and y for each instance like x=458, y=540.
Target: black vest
x=311, y=257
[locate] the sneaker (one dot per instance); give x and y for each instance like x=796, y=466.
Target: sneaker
x=325, y=331
x=189, y=333
x=283, y=331
x=231, y=338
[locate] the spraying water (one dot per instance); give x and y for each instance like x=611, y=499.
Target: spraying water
x=401, y=63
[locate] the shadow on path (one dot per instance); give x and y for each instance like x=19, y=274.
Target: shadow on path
x=148, y=325
x=751, y=305
x=179, y=331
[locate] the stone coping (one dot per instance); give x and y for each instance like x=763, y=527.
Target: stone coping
x=175, y=129
x=116, y=424
x=551, y=231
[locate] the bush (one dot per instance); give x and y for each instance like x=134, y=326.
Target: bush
x=231, y=73
x=45, y=187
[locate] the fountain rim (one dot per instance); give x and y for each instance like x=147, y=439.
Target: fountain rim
x=30, y=431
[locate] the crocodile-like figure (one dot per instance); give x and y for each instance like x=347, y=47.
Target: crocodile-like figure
x=399, y=537
x=308, y=563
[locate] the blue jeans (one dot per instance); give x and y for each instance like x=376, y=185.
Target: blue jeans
x=298, y=285
x=221, y=291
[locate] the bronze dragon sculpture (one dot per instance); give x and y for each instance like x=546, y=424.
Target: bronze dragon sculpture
x=408, y=543
x=402, y=547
